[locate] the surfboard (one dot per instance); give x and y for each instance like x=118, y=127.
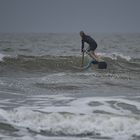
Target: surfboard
x=101, y=65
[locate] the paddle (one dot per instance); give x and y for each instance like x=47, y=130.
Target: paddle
x=82, y=62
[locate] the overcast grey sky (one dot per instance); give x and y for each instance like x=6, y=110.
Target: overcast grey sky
x=69, y=15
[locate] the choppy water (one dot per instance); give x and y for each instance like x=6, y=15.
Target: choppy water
x=43, y=95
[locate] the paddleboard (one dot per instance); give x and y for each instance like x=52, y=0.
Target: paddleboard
x=100, y=62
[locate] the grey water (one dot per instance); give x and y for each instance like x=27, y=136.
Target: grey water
x=45, y=95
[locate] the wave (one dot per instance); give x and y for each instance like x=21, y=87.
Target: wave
x=116, y=62
x=91, y=117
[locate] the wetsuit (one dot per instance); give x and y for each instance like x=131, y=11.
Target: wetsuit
x=92, y=43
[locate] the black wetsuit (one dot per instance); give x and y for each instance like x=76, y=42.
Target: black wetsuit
x=92, y=43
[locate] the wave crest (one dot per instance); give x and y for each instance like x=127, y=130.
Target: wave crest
x=116, y=62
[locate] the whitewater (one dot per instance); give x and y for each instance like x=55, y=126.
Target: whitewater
x=45, y=95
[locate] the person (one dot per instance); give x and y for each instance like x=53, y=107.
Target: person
x=92, y=45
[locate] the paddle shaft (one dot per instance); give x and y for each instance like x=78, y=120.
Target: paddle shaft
x=82, y=62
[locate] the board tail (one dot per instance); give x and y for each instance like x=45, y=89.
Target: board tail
x=102, y=65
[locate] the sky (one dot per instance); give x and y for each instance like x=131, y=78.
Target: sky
x=69, y=15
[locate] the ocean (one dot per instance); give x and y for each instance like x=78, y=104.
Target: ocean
x=44, y=95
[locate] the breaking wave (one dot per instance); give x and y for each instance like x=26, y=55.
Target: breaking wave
x=97, y=117
x=116, y=62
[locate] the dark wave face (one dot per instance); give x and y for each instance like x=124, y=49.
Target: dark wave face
x=66, y=63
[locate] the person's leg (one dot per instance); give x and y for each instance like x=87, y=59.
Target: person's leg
x=93, y=55
x=92, y=48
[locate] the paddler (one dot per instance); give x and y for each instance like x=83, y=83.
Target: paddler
x=92, y=45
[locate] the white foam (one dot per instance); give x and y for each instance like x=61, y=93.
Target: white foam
x=115, y=56
x=41, y=137
x=77, y=117
x=72, y=124
x=2, y=56
x=81, y=106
